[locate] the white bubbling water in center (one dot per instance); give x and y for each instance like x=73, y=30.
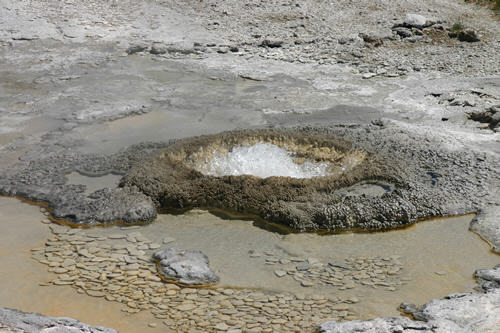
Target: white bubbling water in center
x=262, y=160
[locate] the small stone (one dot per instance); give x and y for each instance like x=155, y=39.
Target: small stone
x=440, y=272
x=154, y=246
x=186, y=307
x=284, y=261
x=312, y=261
x=353, y=299
x=45, y=221
x=171, y=292
x=272, y=42
x=303, y=267
x=415, y=21
x=279, y=273
x=158, y=48
x=68, y=262
x=117, y=236
x=135, y=49
x=95, y=293
x=223, y=49
x=306, y=284
x=167, y=240
x=468, y=36
x=221, y=327
x=152, y=325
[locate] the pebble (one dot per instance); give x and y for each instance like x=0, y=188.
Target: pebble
x=186, y=307
x=306, y=284
x=279, y=273
x=95, y=293
x=303, y=267
x=221, y=327
x=117, y=236
x=167, y=240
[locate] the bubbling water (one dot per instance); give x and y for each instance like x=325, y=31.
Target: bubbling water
x=261, y=160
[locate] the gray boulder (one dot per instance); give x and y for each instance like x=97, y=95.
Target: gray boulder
x=185, y=266
x=17, y=321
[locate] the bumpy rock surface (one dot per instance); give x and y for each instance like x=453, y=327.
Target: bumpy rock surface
x=17, y=321
x=424, y=179
x=44, y=180
x=488, y=278
x=185, y=266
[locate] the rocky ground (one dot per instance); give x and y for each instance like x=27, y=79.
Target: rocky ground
x=80, y=81
x=12, y=321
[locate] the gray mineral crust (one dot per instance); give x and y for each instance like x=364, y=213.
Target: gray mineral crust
x=18, y=321
x=185, y=266
x=458, y=313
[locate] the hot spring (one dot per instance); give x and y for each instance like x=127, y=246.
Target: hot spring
x=261, y=160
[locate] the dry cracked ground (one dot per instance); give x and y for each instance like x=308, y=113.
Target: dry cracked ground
x=82, y=80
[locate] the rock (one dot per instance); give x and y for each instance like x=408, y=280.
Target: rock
x=136, y=49
x=272, y=42
x=20, y=321
x=167, y=240
x=306, y=284
x=339, y=265
x=371, y=40
x=95, y=293
x=181, y=47
x=403, y=32
x=279, y=273
x=223, y=49
x=158, y=48
x=415, y=21
x=488, y=278
x=186, y=307
x=185, y=266
x=469, y=35
x=345, y=40
x=221, y=327
x=117, y=236
x=303, y=267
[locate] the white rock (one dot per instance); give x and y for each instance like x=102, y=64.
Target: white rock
x=415, y=20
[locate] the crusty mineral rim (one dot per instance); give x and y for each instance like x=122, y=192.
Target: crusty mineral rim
x=342, y=155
